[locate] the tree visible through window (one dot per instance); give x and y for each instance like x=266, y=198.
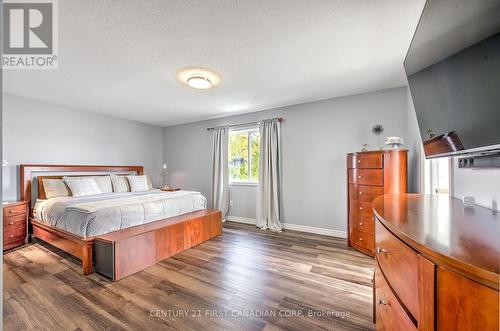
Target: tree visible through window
x=244, y=148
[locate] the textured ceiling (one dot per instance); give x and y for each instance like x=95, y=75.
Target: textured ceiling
x=120, y=57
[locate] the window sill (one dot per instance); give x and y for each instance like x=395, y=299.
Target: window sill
x=243, y=184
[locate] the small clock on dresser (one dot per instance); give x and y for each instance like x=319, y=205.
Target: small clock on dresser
x=15, y=223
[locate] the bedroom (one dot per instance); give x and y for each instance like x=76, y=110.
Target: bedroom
x=249, y=110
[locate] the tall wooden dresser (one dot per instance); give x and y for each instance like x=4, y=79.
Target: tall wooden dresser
x=369, y=175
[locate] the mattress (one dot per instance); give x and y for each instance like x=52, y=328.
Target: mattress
x=99, y=214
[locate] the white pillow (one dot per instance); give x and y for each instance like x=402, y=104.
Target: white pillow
x=120, y=183
x=104, y=183
x=138, y=183
x=82, y=186
x=55, y=188
x=150, y=183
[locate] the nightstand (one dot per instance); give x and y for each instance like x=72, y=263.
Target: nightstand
x=170, y=189
x=15, y=223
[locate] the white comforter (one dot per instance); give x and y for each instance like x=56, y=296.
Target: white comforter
x=103, y=213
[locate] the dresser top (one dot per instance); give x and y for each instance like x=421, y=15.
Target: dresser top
x=465, y=240
x=399, y=150
x=13, y=203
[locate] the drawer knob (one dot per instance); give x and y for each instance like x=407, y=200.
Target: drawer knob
x=382, y=250
x=11, y=236
x=360, y=192
x=360, y=239
x=382, y=302
x=11, y=211
x=11, y=223
x=360, y=176
x=360, y=208
x=359, y=161
x=360, y=223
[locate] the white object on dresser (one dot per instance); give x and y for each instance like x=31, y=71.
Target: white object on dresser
x=394, y=142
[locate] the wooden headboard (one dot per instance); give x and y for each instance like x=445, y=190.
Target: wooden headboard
x=27, y=172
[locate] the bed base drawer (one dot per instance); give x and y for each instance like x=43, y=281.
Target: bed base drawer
x=121, y=254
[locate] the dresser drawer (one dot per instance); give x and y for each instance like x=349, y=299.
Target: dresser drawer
x=361, y=239
x=390, y=315
x=15, y=210
x=361, y=210
x=365, y=160
x=14, y=221
x=14, y=235
x=362, y=225
x=366, y=176
x=364, y=193
x=399, y=264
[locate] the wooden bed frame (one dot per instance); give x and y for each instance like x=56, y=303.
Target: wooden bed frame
x=192, y=225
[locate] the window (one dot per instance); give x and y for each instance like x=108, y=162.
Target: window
x=244, y=148
x=437, y=176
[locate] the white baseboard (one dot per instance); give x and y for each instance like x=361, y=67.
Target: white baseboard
x=295, y=227
x=238, y=219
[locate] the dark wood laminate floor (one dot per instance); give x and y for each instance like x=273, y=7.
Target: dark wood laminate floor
x=245, y=279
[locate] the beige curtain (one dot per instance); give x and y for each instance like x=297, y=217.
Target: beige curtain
x=268, y=194
x=220, y=173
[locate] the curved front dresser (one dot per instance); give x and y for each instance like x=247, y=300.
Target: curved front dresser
x=438, y=262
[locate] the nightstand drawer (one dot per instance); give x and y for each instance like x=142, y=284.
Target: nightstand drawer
x=14, y=235
x=14, y=221
x=15, y=210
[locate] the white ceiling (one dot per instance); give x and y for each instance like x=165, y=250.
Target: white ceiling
x=119, y=57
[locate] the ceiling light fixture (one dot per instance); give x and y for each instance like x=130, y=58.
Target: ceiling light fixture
x=198, y=78
x=199, y=82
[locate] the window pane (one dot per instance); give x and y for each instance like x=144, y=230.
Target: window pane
x=238, y=156
x=255, y=155
x=243, y=158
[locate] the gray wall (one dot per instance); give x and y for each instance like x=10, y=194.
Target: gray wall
x=482, y=184
x=315, y=140
x=36, y=132
x=414, y=144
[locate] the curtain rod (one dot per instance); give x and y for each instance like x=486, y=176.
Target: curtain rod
x=280, y=119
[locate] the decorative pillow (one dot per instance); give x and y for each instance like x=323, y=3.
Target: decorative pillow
x=82, y=186
x=138, y=183
x=120, y=183
x=55, y=188
x=104, y=183
x=150, y=183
